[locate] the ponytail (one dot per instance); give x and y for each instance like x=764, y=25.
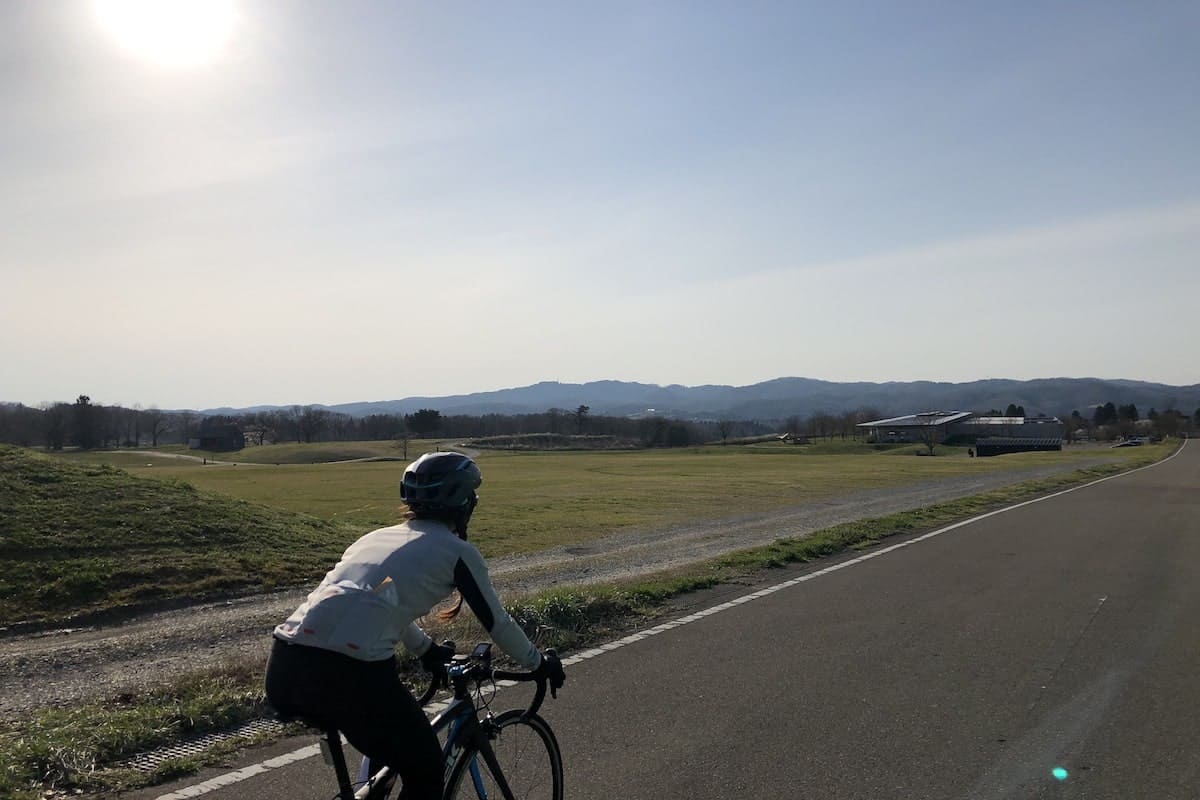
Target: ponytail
x=451, y=613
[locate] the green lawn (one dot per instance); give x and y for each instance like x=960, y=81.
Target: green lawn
x=284, y=453
x=531, y=501
x=85, y=536
x=298, y=453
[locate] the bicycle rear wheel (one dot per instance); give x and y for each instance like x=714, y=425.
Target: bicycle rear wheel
x=527, y=755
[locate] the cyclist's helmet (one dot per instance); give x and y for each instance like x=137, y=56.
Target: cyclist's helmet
x=440, y=482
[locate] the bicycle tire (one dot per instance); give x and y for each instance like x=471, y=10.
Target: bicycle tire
x=527, y=754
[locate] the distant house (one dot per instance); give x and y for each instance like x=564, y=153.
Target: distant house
x=1017, y=434
x=218, y=436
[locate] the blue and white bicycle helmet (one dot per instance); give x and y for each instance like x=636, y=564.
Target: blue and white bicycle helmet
x=440, y=482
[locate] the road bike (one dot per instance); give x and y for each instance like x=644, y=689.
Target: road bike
x=507, y=756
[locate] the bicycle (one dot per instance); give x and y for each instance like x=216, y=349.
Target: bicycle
x=513, y=755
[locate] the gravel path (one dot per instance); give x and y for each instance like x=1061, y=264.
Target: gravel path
x=58, y=667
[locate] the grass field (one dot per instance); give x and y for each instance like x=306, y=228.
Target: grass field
x=320, y=452
x=85, y=536
x=531, y=501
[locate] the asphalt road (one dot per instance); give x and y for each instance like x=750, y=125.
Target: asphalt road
x=1063, y=634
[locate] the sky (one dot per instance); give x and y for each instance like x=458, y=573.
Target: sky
x=229, y=203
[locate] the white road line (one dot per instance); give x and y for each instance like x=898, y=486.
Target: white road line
x=237, y=776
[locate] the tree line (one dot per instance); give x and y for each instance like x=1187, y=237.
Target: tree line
x=89, y=425
x=1111, y=421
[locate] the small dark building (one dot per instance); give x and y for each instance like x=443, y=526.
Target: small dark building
x=1000, y=445
x=218, y=436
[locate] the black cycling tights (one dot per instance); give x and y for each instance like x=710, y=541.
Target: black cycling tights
x=366, y=701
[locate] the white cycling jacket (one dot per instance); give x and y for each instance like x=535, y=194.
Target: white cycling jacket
x=387, y=580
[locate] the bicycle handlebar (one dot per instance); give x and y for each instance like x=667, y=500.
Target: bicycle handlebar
x=479, y=670
x=538, y=696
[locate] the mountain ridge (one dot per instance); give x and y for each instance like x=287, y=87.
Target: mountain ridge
x=779, y=398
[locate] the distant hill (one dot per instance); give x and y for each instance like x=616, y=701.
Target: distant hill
x=784, y=397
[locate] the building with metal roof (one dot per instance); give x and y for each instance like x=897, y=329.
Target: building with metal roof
x=913, y=427
x=975, y=428
x=963, y=427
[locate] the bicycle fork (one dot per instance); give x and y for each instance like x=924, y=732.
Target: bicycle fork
x=489, y=758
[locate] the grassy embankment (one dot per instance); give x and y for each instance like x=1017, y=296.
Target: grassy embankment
x=61, y=747
x=83, y=538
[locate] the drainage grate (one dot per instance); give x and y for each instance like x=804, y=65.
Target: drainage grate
x=195, y=747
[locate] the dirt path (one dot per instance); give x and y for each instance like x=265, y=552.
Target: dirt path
x=62, y=666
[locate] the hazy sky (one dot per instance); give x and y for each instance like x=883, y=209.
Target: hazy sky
x=322, y=202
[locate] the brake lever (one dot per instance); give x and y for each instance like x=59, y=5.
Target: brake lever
x=552, y=653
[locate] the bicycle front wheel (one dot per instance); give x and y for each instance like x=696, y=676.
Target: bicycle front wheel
x=527, y=762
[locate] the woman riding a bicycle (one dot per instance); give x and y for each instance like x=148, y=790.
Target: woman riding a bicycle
x=333, y=661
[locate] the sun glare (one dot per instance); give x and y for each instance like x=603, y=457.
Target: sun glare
x=171, y=32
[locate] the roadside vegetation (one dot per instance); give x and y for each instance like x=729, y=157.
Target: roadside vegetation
x=81, y=748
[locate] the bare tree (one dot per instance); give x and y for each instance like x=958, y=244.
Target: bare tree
x=115, y=424
x=402, y=442
x=1168, y=423
x=136, y=418
x=930, y=436
x=653, y=431
x=85, y=428
x=55, y=418
x=311, y=422
x=279, y=424
x=20, y=424
x=290, y=421
x=725, y=428
x=157, y=423
x=824, y=424
x=258, y=425
x=185, y=425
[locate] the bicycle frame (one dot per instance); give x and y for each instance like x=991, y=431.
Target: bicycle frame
x=454, y=716
x=465, y=728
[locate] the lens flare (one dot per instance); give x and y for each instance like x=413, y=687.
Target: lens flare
x=1059, y=773
x=169, y=32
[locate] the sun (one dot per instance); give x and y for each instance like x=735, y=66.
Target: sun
x=170, y=32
